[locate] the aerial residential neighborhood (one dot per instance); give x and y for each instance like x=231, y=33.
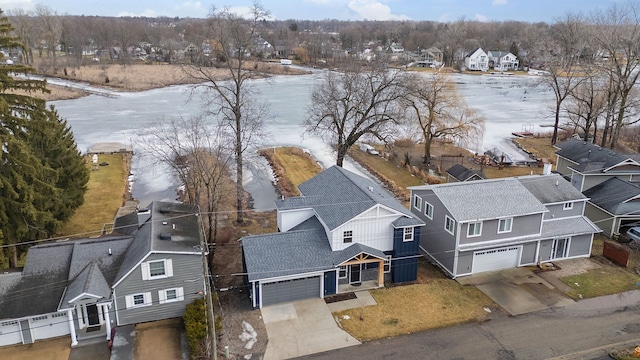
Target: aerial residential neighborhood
x=319, y=181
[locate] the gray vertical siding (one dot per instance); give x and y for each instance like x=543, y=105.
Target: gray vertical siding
x=557, y=210
x=528, y=255
x=187, y=273
x=465, y=263
x=600, y=218
x=580, y=246
x=521, y=226
x=438, y=244
x=563, y=166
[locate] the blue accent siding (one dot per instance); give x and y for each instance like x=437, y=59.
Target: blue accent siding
x=329, y=283
x=405, y=269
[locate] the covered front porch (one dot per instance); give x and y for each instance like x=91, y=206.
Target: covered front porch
x=363, y=271
x=89, y=322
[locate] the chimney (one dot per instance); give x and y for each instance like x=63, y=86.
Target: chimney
x=546, y=169
x=110, y=252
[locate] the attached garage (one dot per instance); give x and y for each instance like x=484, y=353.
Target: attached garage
x=496, y=259
x=50, y=326
x=290, y=290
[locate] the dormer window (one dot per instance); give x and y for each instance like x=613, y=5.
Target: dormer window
x=347, y=236
x=567, y=206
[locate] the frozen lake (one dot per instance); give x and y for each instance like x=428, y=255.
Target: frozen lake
x=509, y=103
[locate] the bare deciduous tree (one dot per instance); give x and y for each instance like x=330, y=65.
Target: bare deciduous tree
x=50, y=25
x=234, y=101
x=434, y=106
x=362, y=100
x=194, y=151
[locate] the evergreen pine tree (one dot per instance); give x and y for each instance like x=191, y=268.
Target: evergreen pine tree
x=42, y=174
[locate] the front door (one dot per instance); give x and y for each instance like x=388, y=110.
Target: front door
x=93, y=318
x=354, y=273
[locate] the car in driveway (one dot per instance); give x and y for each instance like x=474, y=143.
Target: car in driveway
x=633, y=234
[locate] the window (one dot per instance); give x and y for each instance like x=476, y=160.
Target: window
x=8, y=323
x=474, y=229
x=387, y=264
x=60, y=314
x=137, y=300
x=504, y=225
x=342, y=272
x=428, y=210
x=347, y=236
x=567, y=206
x=449, y=224
x=408, y=234
x=157, y=269
x=171, y=295
x=417, y=202
x=39, y=318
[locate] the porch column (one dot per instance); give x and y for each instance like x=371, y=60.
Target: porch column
x=72, y=327
x=105, y=311
x=381, y=273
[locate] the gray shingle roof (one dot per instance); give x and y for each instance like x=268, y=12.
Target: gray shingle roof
x=551, y=189
x=287, y=253
x=486, y=199
x=355, y=250
x=568, y=227
x=338, y=195
x=590, y=158
x=462, y=173
x=85, y=265
x=612, y=194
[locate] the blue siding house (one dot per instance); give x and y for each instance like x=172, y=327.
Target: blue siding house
x=343, y=233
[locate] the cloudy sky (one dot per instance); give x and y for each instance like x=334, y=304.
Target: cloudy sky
x=437, y=10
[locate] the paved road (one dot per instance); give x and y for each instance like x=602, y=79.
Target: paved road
x=586, y=330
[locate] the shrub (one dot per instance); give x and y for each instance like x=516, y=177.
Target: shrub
x=195, y=325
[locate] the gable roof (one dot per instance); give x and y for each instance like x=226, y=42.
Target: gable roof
x=550, y=189
x=590, y=158
x=304, y=249
x=485, y=199
x=616, y=196
x=62, y=271
x=337, y=196
x=473, y=52
x=462, y=173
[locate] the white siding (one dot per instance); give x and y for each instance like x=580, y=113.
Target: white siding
x=289, y=219
x=373, y=228
x=10, y=332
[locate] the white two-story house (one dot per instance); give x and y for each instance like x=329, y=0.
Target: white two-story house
x=477, y=60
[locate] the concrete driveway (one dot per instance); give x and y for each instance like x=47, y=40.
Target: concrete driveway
x=302, y=328
x=518, y=290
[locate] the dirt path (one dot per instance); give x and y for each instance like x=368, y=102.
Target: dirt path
x=158, y=340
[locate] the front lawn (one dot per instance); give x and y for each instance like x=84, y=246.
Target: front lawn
x=435, y=302
x=606, y=280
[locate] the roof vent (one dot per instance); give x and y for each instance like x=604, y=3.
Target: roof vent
x=370, y=188
x=165, y=236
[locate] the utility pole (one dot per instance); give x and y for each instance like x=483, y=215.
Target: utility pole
x=207, y=293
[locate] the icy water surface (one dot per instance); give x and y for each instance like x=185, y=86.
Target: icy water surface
x=509, y=103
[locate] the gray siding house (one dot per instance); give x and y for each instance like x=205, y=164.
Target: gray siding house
x=148, y=269
x=343, y=233
x=608, y=178
x=488, y=225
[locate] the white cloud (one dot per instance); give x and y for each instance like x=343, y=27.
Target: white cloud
x=190, y=6
x=499, y=2
x=480, y=17
x=145, y=13
x=6, y=5
x=374, y=10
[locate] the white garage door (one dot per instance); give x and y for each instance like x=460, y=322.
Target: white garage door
x=10, y=333
x=290, y=290
x=49, y=326
x=496, y=259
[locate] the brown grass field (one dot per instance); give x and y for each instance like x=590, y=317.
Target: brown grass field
x=292, y=166
x=106, y=192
